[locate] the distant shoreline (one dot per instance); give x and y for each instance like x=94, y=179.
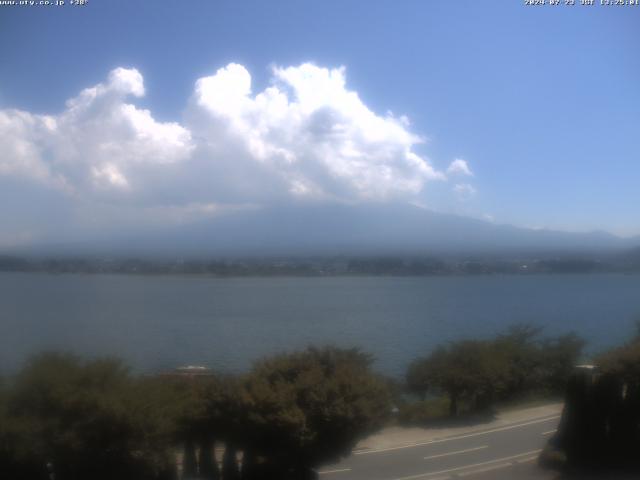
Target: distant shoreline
x=333, y=275
x=390, y=266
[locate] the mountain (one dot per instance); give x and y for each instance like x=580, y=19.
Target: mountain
x=379, y=229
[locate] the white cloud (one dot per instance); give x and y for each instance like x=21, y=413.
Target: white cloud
x=307, y=136
x=109, y=175
x=459, y=167
x=464, y=191
x=96, y=143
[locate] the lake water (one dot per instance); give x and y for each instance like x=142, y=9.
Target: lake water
x=165, y=321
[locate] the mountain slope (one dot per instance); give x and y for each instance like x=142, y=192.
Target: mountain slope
x=370, y=229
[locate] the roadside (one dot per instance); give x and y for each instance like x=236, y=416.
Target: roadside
x=506, y=446
x=401, y=437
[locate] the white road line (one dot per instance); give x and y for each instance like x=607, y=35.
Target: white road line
x=527, y=460
x=456, y=452
x=496, y=467
x=467, y=467
x=549, y=432
x=484, y=469
x=450, y=439
x=337, y=470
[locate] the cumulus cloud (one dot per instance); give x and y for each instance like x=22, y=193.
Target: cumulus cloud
x=459, y=167
x=306, y=136
x=98, y=143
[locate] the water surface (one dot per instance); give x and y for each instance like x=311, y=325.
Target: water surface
x=162, y=321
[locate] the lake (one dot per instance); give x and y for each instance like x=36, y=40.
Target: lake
x=157, y=322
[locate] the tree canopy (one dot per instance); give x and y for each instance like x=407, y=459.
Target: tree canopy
x=481, y=371
x=467, y=369
x=81, y=420
x=313, y=406
x=93, y=419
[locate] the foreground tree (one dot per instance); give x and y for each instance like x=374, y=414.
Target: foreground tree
x=559, y=358
x=479, y=372
x=520, y=345
x=310, y=407
x=79, y=420
x=206, y=411
x=470, y=370
x=538, y=364
x=619, y=402
x=600, y=425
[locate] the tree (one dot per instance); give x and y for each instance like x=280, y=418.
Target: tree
x=230, y=469
x=479, y=372
x=312, y=406
x=600, y=425
x=81, y=420
x=540, y=364
x=559, y=357
x=205, y=409
x=419, y=379
x=471, y=370
x=620, y=368
x=521, y=346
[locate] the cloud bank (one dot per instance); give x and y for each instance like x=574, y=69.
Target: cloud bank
x=306, y=137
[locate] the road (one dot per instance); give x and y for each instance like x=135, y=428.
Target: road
x=504, y=452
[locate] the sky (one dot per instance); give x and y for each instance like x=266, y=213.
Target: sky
x=126, y=114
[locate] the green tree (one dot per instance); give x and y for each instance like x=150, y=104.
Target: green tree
x=520, y=344
x=623, y=363
x=478, y=372
x=418, y=378
x=470, y=370
x=312, y=406
x=559, y=357
x=83, y=418
x=205, y=410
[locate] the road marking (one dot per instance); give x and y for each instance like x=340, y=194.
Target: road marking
x=504, y=463
x=496, y=467
x=527, y=460
x=456, y=452
x=459, y=437
x=484, y=469
x=337, y=470
x=549, y=432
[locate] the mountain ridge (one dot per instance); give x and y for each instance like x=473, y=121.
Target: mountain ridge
x=373, y=229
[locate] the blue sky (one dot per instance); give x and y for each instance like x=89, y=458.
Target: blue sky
x=542, y=103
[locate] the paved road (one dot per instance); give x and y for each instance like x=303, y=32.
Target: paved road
x=503, y=452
